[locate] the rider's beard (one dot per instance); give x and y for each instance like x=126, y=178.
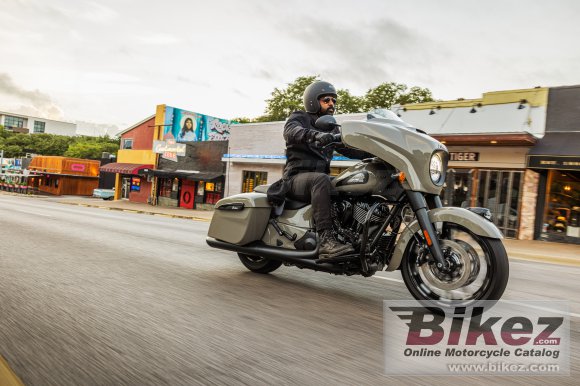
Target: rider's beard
x=328, y=111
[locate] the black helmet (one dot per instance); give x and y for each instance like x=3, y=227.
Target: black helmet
x=313, y=92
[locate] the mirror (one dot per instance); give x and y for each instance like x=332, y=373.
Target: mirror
x=326, y=123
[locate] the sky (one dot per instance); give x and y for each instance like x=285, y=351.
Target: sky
x=107, y=64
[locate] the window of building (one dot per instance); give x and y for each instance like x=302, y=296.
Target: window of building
x=10, y=121
x=127, y=143
x=253, y=179
x=562, y=211
x=39, y=126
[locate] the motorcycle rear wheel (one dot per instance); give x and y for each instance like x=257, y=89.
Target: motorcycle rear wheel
x=259, y=264
x=482, y=269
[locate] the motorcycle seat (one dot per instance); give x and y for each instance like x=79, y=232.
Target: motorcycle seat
x=288, y=204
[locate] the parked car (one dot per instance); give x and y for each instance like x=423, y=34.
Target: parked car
x=105, y=194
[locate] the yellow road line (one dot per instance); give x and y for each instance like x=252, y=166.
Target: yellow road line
x=7, y=376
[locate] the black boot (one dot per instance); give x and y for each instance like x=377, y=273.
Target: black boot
x=330, y=247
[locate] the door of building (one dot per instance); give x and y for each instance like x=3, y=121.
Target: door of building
x=186, y=199
x=501, y=192
x=126, y=187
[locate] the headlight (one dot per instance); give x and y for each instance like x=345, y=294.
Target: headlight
x=436, y=168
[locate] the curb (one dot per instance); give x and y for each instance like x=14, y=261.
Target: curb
x=7, y=375
x=200, y=219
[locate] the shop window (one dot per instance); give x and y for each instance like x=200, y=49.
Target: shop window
x=562, y=213
x=253, y=179
x=135, y=184
x=165, y=187
x=501, y=191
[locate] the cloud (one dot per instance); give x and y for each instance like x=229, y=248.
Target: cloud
x=160, y=39
x=96, y=129
x=367, y=53
x=35, y=102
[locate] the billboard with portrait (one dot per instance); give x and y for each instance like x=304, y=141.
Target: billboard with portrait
x=187, y=126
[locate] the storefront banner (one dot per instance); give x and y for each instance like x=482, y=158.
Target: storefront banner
x=169, y=149
x=553, y=162
x=186, y=126
x=463, y=156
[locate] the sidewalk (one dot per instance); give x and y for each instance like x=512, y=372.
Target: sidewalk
x=135, y=207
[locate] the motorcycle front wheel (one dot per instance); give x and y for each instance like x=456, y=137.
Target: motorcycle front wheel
x=478, y=268
x=259, y=264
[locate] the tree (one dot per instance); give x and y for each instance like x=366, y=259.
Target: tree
x=348, y=103
x=90, y=150
x=285, y=101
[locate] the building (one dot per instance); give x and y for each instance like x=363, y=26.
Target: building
x=135, y=155
x=27, y=124
x=555, y=159
x=63, y=176
x=172, y=158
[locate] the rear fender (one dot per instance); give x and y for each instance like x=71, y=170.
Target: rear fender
x=461, y=216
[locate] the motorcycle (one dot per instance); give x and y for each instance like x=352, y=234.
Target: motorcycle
x=388, y=207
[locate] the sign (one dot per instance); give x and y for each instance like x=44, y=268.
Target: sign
x=169, y=149
x=187, y=126
x=554, y=162
x=463, y=156
x=78, y=167
x=135, y=184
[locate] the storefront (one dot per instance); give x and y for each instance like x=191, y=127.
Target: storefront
x=64, y=176
x=191, y=176
x=134, y=184
x=557, y=158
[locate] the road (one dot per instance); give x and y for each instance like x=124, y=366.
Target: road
x=90, y=296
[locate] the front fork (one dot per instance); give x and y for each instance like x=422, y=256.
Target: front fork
x=419, y=206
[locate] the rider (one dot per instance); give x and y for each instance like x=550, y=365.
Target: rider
x=308, y=162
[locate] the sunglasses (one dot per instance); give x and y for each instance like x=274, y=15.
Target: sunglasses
x=328, y=99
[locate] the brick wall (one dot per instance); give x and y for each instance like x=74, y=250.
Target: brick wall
x=528, y=205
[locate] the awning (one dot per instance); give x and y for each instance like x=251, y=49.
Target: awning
x=124, y=168
x=188, y=175
x=559, y=150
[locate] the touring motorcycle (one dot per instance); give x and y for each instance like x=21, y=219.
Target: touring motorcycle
x=389, y=208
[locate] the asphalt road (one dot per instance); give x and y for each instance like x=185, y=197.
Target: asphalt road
x=90, y=296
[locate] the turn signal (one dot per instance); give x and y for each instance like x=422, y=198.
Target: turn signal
x=401, y=177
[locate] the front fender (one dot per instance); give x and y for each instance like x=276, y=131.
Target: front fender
x=461, y=216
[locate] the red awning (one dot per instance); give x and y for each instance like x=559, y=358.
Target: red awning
x=124, y=168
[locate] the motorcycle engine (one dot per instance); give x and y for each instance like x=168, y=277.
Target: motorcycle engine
x=349, y=218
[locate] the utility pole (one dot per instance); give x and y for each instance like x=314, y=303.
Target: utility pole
x=1, y=161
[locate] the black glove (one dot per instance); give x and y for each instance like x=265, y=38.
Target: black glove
x=323, y=139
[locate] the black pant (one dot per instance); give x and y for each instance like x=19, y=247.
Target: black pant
x=314, y=188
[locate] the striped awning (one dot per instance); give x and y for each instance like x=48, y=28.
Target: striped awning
x=125, y=168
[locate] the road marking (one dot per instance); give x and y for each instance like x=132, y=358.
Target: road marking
x=7, y=376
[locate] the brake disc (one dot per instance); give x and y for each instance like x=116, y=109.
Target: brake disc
x=456, y=278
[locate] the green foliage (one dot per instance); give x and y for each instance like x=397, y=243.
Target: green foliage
x=285, y=101
x=90, y=150
x=348, y=103
x=17, y=145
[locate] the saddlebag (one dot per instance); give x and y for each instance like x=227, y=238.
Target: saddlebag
x=240, y=219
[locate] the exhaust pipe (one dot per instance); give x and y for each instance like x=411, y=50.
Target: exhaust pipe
x=302, y=259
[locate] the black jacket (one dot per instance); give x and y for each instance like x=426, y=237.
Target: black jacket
x=302, y=155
